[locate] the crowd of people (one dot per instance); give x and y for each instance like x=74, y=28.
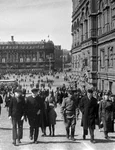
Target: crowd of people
x=38, y=108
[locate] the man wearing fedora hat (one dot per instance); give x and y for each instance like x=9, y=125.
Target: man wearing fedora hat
x=17, y=113
x=88, y=107
x=33, y=110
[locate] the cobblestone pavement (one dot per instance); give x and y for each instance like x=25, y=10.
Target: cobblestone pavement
x=59, y=142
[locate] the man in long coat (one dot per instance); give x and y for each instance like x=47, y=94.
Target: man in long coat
x=88, y=107
x=33, y=110
x=106, y=109
x=17, y=114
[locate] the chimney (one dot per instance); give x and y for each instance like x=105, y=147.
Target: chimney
x=12, y=38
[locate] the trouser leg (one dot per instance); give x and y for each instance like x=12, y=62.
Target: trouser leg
x=85, y=132
x=73, y=123
x=31, y=131
x=50, y=129
x=53, y=129
x=106, y=134
x=20, y=129
x=67, y=132
x=67, y=125
x=14, y=129
x=91, y=130
x=36, y=133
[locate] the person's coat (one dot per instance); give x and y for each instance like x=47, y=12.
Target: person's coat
x=33, y=110
x=89, y=112
x=17, y=107
x=106, y=110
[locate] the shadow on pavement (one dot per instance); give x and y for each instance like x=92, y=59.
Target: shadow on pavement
x=5, y=129
x=49, y=142
x=104, y=141
x=113, y=137
x=26, y=143
x=57, y=142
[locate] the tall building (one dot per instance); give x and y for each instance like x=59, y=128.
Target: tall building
x=93, y=46
x=26, y=56
x=84, y=43
x=58, y=57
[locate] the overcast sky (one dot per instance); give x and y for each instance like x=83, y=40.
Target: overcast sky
x=34, y=20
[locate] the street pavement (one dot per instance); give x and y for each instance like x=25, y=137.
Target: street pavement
x=59, y=142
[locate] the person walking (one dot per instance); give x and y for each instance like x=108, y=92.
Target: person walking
x=17, y=114
x=88, y=107
x=33, y=110
x=106, y=110
x=68, y=110
x=50, y=99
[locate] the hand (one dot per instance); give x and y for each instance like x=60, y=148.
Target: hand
x=9, y=117
x=38, y=113
x=22, y=118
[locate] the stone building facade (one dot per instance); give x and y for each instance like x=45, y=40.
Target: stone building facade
x=93, y=46
x=26, y=56
x=84, y=45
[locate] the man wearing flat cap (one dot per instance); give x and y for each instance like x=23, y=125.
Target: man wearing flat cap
x=17, y=114
x=88, y=107
x=33, y=110
x=68, y=110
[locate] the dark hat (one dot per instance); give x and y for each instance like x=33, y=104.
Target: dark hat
x=18, y=91
x=35, y=90
x=89, y=91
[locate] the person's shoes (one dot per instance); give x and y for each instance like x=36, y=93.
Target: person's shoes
x=31, y=137
x=14, y=143
x=43, y=134
x=18, y=141
x=35, y=142
x=93, y=141
x=107, y=138
x=72, y=138
x=84, y=137
x=67, y=136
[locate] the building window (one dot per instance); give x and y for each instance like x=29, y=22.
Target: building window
x=103, y=85
x=34, y=59
x=79, y=61
x=110, y=57
x=86, y=34
x=21, y=60
x=102, y=55
x=28, y=59
x=3, y=60
x=110, y=86
x=81, y=32
x=76, y=62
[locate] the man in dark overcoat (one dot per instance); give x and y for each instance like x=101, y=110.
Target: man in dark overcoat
x=106, y=110
x=88, y=107
x=33, y=110
x=17, y=114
